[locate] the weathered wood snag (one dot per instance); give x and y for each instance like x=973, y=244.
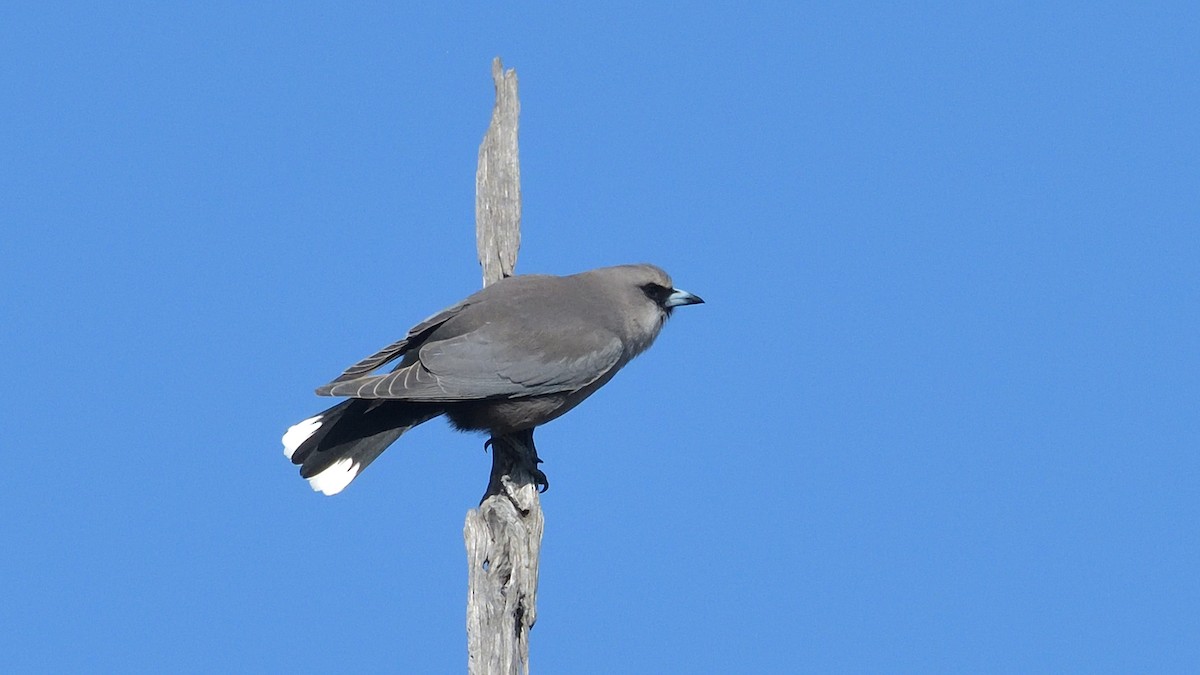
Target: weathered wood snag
x=504, y=535
x=498, y=183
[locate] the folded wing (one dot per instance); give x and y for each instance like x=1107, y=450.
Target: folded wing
x=488, y=362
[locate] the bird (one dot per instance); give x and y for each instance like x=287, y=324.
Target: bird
x=507, y=359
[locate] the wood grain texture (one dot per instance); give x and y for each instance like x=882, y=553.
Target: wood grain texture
x=504, y=541
x=498, y=183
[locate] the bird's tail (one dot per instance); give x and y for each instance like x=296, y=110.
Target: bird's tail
x=333, y=447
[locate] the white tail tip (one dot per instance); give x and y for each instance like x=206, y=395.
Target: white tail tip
x=298, y=433
x=335, y=478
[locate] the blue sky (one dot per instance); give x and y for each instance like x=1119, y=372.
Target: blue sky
x=939, y=413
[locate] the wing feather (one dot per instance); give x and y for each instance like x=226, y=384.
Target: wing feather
x=396, y=349
x=484, y=364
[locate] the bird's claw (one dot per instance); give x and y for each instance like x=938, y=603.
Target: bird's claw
x=540, y=481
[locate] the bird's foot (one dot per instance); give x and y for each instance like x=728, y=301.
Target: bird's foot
x=511, y=452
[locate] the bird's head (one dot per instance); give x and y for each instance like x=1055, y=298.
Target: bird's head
x=647, y=298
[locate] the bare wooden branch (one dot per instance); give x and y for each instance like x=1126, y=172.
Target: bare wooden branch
x=504, y=541
x=504, y=535
x=498, y=183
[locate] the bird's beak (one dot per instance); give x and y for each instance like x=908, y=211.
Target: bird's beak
x=678, y=297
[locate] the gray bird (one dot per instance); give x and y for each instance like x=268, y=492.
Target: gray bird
x=509, y=358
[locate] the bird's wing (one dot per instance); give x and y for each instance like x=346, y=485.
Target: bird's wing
x=491, y=362
x=396, y=349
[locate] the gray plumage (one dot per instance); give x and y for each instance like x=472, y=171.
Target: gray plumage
x=509, y=358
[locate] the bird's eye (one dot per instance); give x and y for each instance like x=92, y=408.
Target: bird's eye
x=656, y=292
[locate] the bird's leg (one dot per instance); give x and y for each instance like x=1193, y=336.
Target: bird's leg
x=515, y=456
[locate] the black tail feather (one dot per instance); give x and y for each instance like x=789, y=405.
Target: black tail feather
x=358, y=429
